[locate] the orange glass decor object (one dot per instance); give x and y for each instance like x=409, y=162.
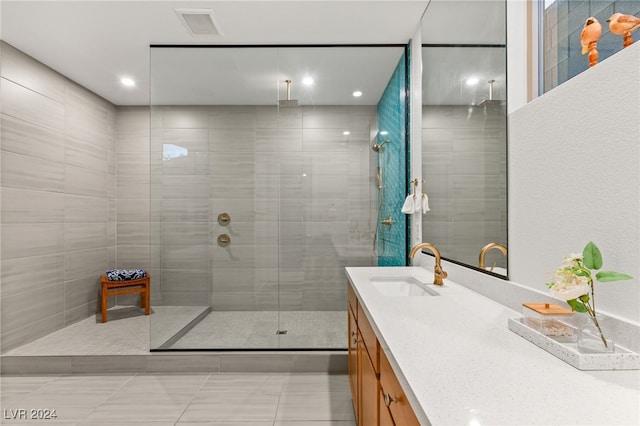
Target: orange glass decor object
x=591, y=32
x=623, y=25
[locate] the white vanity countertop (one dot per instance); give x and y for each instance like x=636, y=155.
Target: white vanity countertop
x=462, y=365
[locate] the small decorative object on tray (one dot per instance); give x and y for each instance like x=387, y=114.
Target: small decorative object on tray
x=549, y=319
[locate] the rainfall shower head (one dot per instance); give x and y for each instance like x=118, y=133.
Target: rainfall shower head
x=287, y=103
x=377, y=147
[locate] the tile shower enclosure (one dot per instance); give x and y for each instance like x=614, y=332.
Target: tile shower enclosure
x=298, y=190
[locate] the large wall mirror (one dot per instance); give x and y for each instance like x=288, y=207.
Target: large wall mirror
x=464, y=132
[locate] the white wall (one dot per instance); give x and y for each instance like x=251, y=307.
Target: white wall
x=574, y=176
x=516, y=54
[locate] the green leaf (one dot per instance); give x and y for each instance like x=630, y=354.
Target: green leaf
x=581, y=273
x=608, y=276
x=592, y=256
x=577, y=305
x=584, y=298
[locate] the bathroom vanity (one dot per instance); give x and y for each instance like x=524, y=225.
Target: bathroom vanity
x=446, y=356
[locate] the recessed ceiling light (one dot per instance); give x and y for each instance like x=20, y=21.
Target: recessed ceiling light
x=127, y=81
x=472, y=81
x=346, y=133
x=357, y=94
x=307, y=81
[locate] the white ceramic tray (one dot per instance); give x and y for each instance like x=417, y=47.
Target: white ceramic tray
x=621, y=359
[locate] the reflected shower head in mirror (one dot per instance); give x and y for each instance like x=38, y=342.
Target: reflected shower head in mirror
x=288, y=103
x=378, y=147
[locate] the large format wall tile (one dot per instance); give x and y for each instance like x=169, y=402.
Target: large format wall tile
x=20, y=171
x=22, y=137
x=86, y=155
x=31, y=239
x=31, y=273
x=20, y=102
x=58, y=206
x=83, y=263
x=83, y=236
x=89, y=118
x=23, y=205
x=27, y=72
x=24, y=308
x=81, y=208
x=81, y=181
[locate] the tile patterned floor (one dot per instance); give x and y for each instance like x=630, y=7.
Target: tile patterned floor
x=218, y=399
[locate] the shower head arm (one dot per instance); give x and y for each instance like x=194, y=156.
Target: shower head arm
x=377, y=147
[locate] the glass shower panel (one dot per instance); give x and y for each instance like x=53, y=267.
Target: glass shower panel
x=263, y=191
x=180, y=206
x=327, y=196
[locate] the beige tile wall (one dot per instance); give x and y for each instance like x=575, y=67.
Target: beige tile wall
x=298, y=192
x=133, y=230
x=58, y=198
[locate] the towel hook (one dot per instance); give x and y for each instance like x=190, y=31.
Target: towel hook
x=415, y=187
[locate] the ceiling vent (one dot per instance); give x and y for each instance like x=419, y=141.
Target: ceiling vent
x=199, y=22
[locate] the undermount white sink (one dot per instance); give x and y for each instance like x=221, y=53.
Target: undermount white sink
x=402, y=287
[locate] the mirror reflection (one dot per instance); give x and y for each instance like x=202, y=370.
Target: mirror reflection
x=464, y=153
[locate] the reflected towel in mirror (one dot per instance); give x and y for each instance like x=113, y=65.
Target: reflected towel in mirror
x=425, y=203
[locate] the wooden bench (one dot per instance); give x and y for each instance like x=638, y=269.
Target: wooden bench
x=117, y=288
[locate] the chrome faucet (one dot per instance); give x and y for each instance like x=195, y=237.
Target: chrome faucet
x=438, y=273
x=488, y=247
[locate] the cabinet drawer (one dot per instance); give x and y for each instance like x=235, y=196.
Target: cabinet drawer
x=353, y=300
x=393, y=396
x=369, y=337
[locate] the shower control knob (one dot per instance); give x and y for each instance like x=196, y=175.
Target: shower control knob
x=224, y=240
x=224, y=219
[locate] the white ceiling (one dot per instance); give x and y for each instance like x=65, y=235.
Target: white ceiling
x=255, y=76
x=95, y=43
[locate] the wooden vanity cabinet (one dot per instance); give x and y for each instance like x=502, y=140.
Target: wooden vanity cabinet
x=368, y=392
x=363, y=365
x=378, y=399
x=393, y=397
x=384, y=414
x=352, y=360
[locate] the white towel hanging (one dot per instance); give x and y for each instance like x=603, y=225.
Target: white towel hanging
x=409, y=206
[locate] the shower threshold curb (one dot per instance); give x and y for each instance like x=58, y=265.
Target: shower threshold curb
x=333, y=362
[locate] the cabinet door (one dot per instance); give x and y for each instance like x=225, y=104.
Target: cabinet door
x=393, y=396
x=384, y=414
x=352, y=361
x=368, y=388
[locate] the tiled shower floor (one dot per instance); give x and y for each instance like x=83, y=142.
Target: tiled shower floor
x=129, y=332
x=257, y=330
